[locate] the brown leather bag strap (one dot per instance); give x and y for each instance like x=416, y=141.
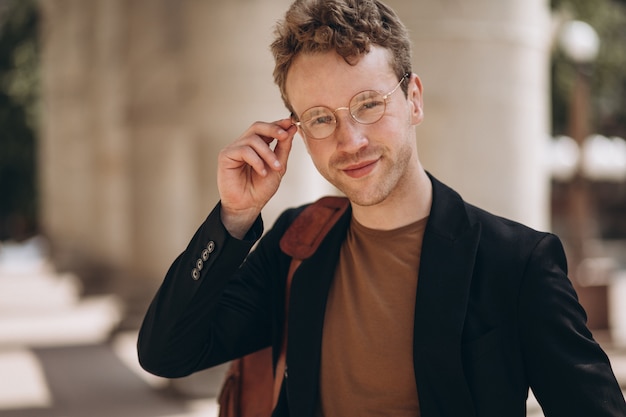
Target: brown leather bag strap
x=246, y=391
x=307, y=231
x=281, y=364
x=301, y=240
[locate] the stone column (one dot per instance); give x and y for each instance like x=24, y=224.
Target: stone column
x=485, y=68
x=160, y=154
x=84, y=177
x=66, y=140
x=110, y=137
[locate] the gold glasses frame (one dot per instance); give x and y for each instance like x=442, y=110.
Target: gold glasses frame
x=332, y=123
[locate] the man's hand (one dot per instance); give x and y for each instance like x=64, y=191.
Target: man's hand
x=249, y=172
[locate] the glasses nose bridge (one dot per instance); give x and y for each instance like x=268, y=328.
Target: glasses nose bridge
x=351, y=116
x=341, y=108
x=346, y=131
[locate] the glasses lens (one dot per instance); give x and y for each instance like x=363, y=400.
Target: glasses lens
x=367, y=107
x=318, y=122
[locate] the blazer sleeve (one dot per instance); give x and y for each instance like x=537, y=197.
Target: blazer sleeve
x=567, y=370
x=215, y=302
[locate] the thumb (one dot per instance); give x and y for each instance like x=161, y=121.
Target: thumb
x=283, y=147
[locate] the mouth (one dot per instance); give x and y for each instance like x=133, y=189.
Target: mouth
x=361, y=169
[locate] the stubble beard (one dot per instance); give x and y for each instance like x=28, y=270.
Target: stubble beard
x=390, y=176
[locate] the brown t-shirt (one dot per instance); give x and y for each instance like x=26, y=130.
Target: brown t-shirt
x=367, y=345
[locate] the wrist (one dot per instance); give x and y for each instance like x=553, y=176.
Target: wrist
x=238, y=223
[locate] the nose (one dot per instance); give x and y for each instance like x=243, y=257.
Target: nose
x=349, y=134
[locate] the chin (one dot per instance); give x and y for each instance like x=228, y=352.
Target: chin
x=366, y=198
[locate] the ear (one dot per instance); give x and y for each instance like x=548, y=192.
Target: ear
x=415, y=98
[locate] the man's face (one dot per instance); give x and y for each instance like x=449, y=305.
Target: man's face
x=369, y=163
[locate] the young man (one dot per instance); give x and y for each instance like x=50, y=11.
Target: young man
x=416, y=303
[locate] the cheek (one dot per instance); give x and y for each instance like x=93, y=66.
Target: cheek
x=320, y=153
x=390, y=129
x=306, y=142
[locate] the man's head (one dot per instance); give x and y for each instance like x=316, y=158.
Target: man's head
x=348, y=27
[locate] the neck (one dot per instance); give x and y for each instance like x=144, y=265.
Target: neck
x=406, y=205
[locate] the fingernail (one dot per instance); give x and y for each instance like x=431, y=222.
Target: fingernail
x=281, y=132
x=277, y=163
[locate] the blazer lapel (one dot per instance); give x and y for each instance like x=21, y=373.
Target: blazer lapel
x=446, y=267
x=307, y=306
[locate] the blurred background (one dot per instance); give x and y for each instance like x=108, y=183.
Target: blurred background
x=112, y=113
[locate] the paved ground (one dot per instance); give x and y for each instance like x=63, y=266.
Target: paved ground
x=61, y=357
x=98, y=380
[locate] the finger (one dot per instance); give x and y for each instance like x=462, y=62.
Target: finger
x=269, y=155
x=283, y=131
x=283, y=148
x=253, y=148
x=270, y=131
x=235, y=158
x=284, y=143
x=285, y=124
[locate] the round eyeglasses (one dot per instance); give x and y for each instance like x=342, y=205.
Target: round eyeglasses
x=366, y=107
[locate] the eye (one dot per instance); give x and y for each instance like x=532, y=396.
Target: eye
x=318, y=117
x=322, y=120
x=367, y=102
x=371, y=104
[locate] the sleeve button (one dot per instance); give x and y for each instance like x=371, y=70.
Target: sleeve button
x=205, y=255
x=210, y=246
x=195, y=274
x=199, y=264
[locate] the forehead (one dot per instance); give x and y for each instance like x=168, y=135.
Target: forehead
x=327, y=79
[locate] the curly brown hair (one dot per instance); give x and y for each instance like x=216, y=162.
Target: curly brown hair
x=348, y=27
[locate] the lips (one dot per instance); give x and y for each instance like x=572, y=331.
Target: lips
x=361, y=169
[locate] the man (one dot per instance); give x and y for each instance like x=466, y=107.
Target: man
x=416, y=303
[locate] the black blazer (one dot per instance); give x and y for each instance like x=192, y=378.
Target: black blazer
x=495, y=314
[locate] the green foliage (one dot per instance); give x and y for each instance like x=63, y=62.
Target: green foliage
x=19, y=89
x=608, y=74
